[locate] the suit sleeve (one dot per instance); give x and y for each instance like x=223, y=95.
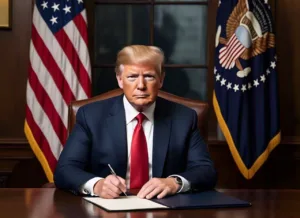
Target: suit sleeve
x=70, y=171
x=200, y=171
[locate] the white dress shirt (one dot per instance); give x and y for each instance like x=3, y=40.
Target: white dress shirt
x=148, y=127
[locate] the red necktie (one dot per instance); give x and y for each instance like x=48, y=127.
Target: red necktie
x=139, y=166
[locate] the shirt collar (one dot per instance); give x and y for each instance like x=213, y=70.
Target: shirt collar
x=131, y=112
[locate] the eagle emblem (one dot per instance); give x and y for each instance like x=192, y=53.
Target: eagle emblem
x=249, y=33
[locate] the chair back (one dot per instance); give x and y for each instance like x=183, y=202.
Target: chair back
x=200, y=107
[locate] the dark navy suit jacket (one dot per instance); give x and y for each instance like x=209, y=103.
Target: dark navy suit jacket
x=99, y=138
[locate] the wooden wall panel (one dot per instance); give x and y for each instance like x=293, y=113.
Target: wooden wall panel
x=14, y=60
x=288, y=46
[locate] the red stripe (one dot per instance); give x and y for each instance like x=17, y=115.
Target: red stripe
x=82, y=27
x=47, y=105
x=40, y=139
x=235, y=54
x=232, y=46
x=229, y=49
x=73, y=57
x=52, y=66
x=238, y=52
x=228, y=43
x=232, y=49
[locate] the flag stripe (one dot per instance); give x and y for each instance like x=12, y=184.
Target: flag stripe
x=51, y=66
x=59, y=56
x=43, y=122
x=46, y=103
x=222, y=50
x=73, y=57
x=59, y=73
x=49, y=85
x=81, y=25
x=39, y=136
x=230, y=49
x=238, y=50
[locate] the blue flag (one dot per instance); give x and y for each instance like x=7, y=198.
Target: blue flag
x=246, y=90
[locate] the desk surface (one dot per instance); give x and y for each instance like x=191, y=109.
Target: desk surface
x=50, y=203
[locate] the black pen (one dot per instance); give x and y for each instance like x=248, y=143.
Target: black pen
x=113, y=173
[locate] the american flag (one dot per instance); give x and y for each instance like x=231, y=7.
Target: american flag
x=59, y=72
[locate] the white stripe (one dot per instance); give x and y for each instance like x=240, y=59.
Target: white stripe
x=58, y=54
x=42, y=120
x=49, y=85
x=235, y=55
x=83, y=14
x=79, y=45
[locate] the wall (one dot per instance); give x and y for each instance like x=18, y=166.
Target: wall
x=280, y=171
x=14, y=60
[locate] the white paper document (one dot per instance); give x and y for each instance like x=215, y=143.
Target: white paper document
x=124, y=203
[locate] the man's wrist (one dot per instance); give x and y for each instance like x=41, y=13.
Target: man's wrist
x=178, y=182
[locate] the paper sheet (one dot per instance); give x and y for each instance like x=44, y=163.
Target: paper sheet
x=124, y=203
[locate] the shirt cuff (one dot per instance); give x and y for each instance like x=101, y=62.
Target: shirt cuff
x=186, y=186
x=88, y=187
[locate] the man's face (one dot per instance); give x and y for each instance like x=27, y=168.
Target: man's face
x=140, y=84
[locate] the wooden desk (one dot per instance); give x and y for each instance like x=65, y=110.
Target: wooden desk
x=50, y=203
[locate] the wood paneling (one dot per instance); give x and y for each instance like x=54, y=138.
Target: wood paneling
x=288, y=46
x=14, y=62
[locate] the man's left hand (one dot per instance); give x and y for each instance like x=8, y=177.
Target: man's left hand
x=159, y=187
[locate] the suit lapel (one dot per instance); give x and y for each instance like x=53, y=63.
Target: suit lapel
x=117, y=129
x=161, y=136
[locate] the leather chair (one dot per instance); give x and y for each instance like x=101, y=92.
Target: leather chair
x=200, y=107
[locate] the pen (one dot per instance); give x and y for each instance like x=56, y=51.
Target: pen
x=113, y=173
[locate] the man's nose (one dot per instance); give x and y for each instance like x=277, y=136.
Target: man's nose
x=141, y=83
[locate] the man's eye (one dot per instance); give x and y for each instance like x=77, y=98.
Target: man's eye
x=149, y=77
x=131, y=77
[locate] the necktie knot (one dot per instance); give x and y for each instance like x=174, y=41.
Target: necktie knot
x=140, y=117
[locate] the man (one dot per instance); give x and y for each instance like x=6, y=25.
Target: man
x=151, y=143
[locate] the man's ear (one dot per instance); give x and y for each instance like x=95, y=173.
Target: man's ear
x=162, y=81
x=119, y=79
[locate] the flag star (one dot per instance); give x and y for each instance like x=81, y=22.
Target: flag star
x=249, y=86
x=218, y=77
x=219, y=2
x=223, y=81
x=67, y=9
x=268, y=71
x=263, y=78
x=256, y=83
x=55, y=7
x=236, y=88
x=215, y=70
x=266, y=1
x=275, y=57
x=229, y=86
x=244, y=88
x=53, y=20
x=273, y=64
x=44, y=5
x=80, y=1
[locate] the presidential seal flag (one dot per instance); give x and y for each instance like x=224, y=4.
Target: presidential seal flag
x=245, y=98
x=59, y=72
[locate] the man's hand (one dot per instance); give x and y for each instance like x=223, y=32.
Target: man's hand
x=110, y=187
x=158, y=187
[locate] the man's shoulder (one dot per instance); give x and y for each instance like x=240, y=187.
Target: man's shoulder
x=174, y=107
x=105, y=104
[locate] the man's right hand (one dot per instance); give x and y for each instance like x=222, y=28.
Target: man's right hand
x=110, y=187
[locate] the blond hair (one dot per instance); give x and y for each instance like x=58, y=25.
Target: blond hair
x=141, y=55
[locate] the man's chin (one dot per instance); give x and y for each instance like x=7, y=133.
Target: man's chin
x=142, y=103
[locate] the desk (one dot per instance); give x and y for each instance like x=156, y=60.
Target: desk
x=50, y=203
